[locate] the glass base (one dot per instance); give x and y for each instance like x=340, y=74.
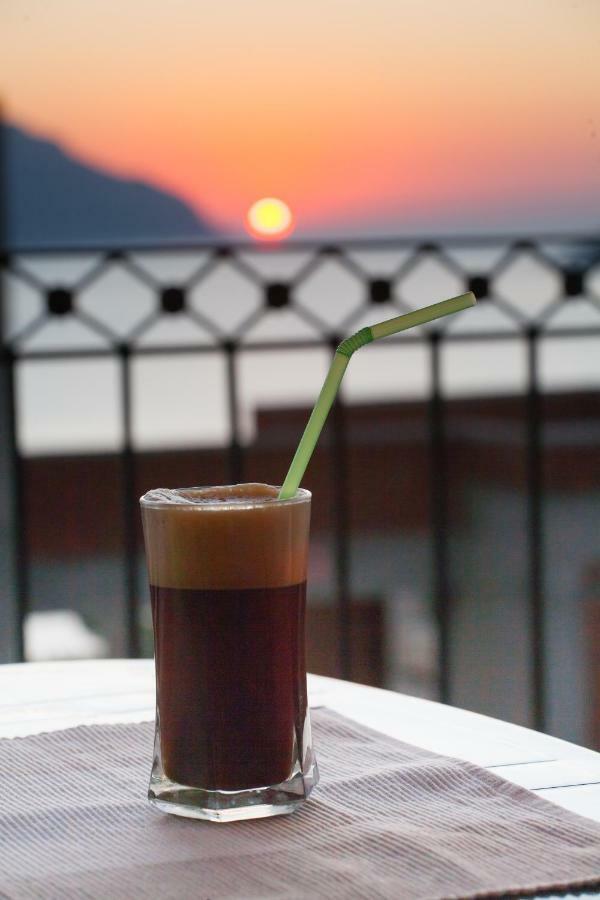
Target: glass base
x=231, y=806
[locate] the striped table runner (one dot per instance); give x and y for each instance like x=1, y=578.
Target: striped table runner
x=388, y=820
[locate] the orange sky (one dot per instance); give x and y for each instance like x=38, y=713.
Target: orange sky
x=389, y=114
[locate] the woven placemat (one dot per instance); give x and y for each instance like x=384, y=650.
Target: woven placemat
x=388, y=820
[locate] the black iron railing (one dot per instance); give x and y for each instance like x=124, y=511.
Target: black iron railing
x=570, y=261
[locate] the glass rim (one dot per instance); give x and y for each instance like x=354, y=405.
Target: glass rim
x=165, y=498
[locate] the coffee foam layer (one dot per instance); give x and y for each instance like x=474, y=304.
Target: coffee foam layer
x=220, y=538
x=236, y=494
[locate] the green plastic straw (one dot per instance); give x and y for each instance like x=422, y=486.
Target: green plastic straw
x=336, y=373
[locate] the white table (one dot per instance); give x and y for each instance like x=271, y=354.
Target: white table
x=37, y=697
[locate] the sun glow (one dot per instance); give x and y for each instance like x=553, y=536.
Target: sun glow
x=270, y=219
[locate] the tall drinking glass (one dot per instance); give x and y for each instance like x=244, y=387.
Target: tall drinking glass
x=227, y=571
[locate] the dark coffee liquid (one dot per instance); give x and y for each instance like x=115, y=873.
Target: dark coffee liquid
x=231, y=683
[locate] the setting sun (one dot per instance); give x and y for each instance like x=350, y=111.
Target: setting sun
x=269, y=218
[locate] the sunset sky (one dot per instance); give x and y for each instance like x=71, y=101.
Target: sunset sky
x=380, y=116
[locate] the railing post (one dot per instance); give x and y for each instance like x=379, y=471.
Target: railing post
x=236, y=462
x=129, y=510
x=13, y=576
x=13, y=571
x=535, y=535
x=439, y=518
x=341, y=511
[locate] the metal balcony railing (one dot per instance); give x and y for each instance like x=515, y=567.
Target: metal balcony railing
x=227, y=294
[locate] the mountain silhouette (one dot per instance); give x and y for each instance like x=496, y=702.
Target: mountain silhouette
x=53, y=199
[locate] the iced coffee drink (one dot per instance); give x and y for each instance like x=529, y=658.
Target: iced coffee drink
x=227, y=571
